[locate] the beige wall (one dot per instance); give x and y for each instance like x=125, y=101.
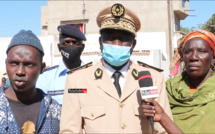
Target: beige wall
x=47, y=42
x=44, y=18
x=158, y=19
x=153, y=14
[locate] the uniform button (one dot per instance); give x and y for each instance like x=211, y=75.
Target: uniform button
x=123, y=126
x=92, y=114
x=121, y=105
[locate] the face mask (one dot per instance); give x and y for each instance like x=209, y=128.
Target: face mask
x=71, y=56
x=116, y=55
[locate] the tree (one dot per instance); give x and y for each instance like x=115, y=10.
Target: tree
x=210, y=25
x=184, y=29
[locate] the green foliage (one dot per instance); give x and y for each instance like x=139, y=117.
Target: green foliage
x=210, y=25
x=184, y=29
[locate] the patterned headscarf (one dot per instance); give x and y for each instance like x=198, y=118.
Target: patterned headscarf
x=178, y=56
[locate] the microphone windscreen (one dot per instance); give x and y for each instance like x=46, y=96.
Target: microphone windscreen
x=145, y=79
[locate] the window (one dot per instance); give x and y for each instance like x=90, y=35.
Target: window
x=81, y=24
x=183, y=2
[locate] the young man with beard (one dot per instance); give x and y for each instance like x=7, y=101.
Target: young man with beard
x=53, y=80
x=23, y=107
x=112, y=103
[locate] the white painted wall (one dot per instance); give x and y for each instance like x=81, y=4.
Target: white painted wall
x=46, y=41
x=4, y=42
x=153, y=41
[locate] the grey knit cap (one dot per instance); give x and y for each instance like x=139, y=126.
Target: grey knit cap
x=26, y=38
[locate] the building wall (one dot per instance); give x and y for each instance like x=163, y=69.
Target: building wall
x=153, y=14
x=48, y=46
x=91, y=54
x=4, y=44
x=154, y=33
x=159, y=21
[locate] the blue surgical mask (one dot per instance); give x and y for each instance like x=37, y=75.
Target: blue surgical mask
x=116, y=55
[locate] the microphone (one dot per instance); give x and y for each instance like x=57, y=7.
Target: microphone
x=147, y=90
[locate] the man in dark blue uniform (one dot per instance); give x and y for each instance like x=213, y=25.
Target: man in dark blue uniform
x=53, y=80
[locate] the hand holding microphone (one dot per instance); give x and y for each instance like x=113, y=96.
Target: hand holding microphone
x=147, y=90
x=151, y=108
x=155, y=110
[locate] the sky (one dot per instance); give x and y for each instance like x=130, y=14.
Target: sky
x=204, y=9
x=16, y=15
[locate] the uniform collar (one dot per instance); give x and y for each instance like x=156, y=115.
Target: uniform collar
x=110, y=70
x=62, y=68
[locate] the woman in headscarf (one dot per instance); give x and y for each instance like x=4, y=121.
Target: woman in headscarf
x=192, y=94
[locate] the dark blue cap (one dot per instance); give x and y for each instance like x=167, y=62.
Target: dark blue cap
x=70, y=31
x=26, y=38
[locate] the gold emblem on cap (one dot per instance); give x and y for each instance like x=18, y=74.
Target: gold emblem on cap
x=117, y=10
x=122, y=24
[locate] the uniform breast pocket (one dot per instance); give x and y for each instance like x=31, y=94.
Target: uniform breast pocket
x=93, y=112
x=94, y=118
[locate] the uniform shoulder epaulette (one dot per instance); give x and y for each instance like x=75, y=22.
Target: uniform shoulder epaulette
x=80, y=67
x=149, y=66
x=48, y=68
